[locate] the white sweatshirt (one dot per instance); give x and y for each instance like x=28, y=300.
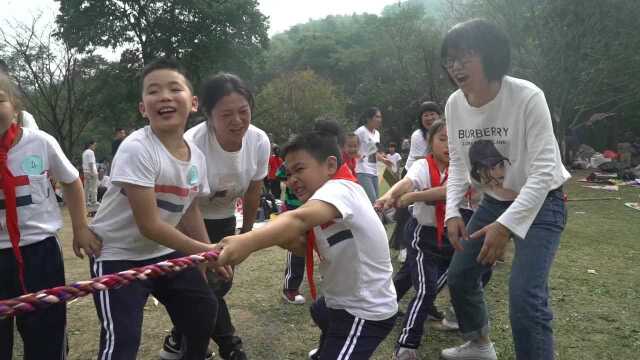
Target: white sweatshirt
x=507, y=149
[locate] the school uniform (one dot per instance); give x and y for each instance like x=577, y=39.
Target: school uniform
x=358, y=307
x=31, y=161
x=427, y=258
x=143, y=160
x=229, y=176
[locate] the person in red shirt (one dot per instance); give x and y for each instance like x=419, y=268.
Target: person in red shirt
x=271, y=182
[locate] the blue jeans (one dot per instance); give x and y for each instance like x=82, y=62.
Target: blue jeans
x=529, y=308
x=370, y=184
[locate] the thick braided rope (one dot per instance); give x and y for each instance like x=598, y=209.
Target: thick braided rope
x=43, y=298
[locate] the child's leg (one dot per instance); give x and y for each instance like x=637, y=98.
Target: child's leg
x=428, y=277
x=191, y=306
x=120, y=311
x=320, y=316
x=465, y=273
x=43, y=332
x=6, y=338
x=294, y=273
x=403, y=280
x=529, y=307
x=353, y=338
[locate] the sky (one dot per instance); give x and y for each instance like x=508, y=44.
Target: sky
x=282, y=13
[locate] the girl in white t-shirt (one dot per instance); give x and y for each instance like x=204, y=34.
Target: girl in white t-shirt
x=501, y=141
x=429, y=112
x=359, y=304
x=429, y=252
x=370, y=152
x=30, y=256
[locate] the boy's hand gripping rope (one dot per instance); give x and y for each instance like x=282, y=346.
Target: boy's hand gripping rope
x=43, y=298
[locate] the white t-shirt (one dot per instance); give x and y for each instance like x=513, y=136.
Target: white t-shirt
x=516, y=129
x=230, y=173
x=143, y=160
x=32, y=160
x=356, y=265
x=28, y=121
x=419, y=176
x=105, y=182
x=369, y=142
x=89, y=162
x=418, y=149
x=395, y=160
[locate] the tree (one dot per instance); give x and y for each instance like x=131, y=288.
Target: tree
x=290, y=103
x=57, y=82
x=205, y=35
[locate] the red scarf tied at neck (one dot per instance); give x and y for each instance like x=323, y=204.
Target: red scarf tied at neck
x=343, y=173
x=9, y=182
x=434, y=175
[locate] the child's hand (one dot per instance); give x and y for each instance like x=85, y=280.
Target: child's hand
x=233, y=250
x=85, y=240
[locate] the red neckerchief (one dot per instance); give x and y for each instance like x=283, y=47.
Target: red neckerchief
x=434, y=175
x=8, y=182
x=343, y=173
x=350, y=161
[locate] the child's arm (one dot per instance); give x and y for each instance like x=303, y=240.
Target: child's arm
x=192, y=225
x=250, y=203
x=429, y=196
x=146, y=214
x=83, y=238
x=391, y=197
x=286, y=231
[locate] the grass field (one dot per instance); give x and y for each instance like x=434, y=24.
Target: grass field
x=596, y=315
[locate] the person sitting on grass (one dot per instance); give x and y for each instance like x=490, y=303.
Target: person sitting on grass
x=359, y=305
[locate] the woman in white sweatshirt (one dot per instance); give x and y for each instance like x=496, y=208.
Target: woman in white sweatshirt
x=501, y=139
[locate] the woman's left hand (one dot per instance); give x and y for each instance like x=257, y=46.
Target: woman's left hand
x=496, y=237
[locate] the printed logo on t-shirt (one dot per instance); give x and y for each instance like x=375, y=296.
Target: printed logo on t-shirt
x=489, y=167
x=192, y=175
x=32, y=165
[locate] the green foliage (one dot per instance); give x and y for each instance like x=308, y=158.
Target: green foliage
x=289, y=104
x=206, y=35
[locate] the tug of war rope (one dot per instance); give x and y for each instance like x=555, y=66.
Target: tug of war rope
x=43, y=298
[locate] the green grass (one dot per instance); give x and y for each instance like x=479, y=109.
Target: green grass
x=596, y=315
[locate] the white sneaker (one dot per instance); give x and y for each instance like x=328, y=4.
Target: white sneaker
x=293, y=297
x=448, y=325
x=402, y=255
x=470, y=351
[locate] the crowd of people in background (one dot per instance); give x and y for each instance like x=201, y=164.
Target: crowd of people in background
x=458, y=200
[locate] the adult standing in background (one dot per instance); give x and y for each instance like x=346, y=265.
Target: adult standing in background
x=370, y=152
x=119, y=135
x=90, y=171
x=429, y=112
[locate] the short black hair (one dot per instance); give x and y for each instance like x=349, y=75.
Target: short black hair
x=89, y=143
x=215, y=87
x=164, y=63
x=118, y=130
x=368, y=114
x=320, y=143
x=328, y=124
x=483, y=38
x=424, y=107
x=392, y=144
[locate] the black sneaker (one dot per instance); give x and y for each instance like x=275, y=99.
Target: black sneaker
x=236, y=354
x=171, y=348
x=434, y=314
